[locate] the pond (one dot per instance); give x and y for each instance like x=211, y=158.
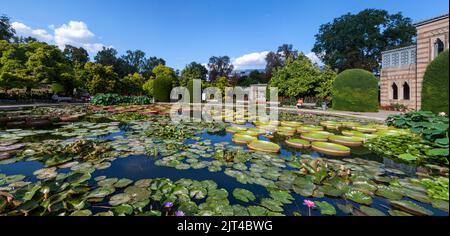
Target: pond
x=106, y=164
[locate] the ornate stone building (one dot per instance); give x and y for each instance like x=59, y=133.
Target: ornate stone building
x=403, y=69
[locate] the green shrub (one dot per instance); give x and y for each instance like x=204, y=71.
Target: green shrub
x=115, y=99
x=161, y=89
x=355, y=90
x=57, y=88
x=435, y=85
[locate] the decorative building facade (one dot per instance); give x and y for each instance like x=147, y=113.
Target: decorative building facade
x=403, y=69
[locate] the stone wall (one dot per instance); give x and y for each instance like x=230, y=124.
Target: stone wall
x=399, y=76
x=427, y=34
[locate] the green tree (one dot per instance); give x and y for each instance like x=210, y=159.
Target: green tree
x=150, y=64
x=325, y=84
x=101, y=79
x=298, y=78
x=132, y=84
x=221, y=83
x=219, y=67
x=106, y=57
x=278, y=59
x=193, y=71
x=76, y=55
x=357, y=40
x=7, y=32
x=147, y=87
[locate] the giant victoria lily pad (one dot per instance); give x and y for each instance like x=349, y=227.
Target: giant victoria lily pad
x=309, y=128
x=264, y=146
x=243, y=139
x=235, y=129
x=347, y=141
x=293, y=124
x=298, y=143
x=316, y=136
x=331, y=148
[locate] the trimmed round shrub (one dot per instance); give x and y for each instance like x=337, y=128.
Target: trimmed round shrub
x=355, y=90
x=435, y=85
x=161, y=89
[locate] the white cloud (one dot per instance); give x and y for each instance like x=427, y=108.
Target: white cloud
x=313, y=57
x=75, y=33
x=26, y=31
x=255, y=60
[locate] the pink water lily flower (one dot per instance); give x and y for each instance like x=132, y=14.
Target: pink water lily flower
x=309, y=204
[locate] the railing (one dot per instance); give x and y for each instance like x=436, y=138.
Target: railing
x=399, y=57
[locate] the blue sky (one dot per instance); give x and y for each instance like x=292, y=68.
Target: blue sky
x=182, y=31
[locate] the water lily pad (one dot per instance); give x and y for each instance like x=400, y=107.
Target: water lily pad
x=122, y=183
x=331, y=148
x=411, y=207
x=358, y=197
x=81, y=213
x=309, y=129
x=119, y=199
x=123, y=210
x=346, y=140
x=298, y=143
x=243, y=139
x=365, y=129
x=46, y=173
x=235, y=129
x=257, y=211
x=243, y=195
x=264, y=146
x=398, y=213
x=272, y=205
x=325, y=208
x=293, y=124
x=101, y=192
x=303, y=186
x=281, y=196
x=388, y=193
x=108, y=182
x=371, y=211
x=317, y=136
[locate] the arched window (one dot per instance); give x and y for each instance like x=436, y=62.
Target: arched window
x=438, y=47
x=394, y=91
x=406, y=93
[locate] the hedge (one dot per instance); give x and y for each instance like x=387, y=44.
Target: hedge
x=435, y=85
x=161, y=89
x=115, y=99
x=355, y=90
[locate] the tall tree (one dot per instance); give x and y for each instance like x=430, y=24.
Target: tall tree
x=219, y=67
x=287, y=51
x=133, y=62
x=278, y=59
x=150, y=64
x=301, y=78
x=7, y=32
x=76, y=55
x=191, y=72
x=357, y=40
x=106, y=57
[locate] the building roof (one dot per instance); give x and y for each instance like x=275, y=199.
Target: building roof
x=427, y=21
